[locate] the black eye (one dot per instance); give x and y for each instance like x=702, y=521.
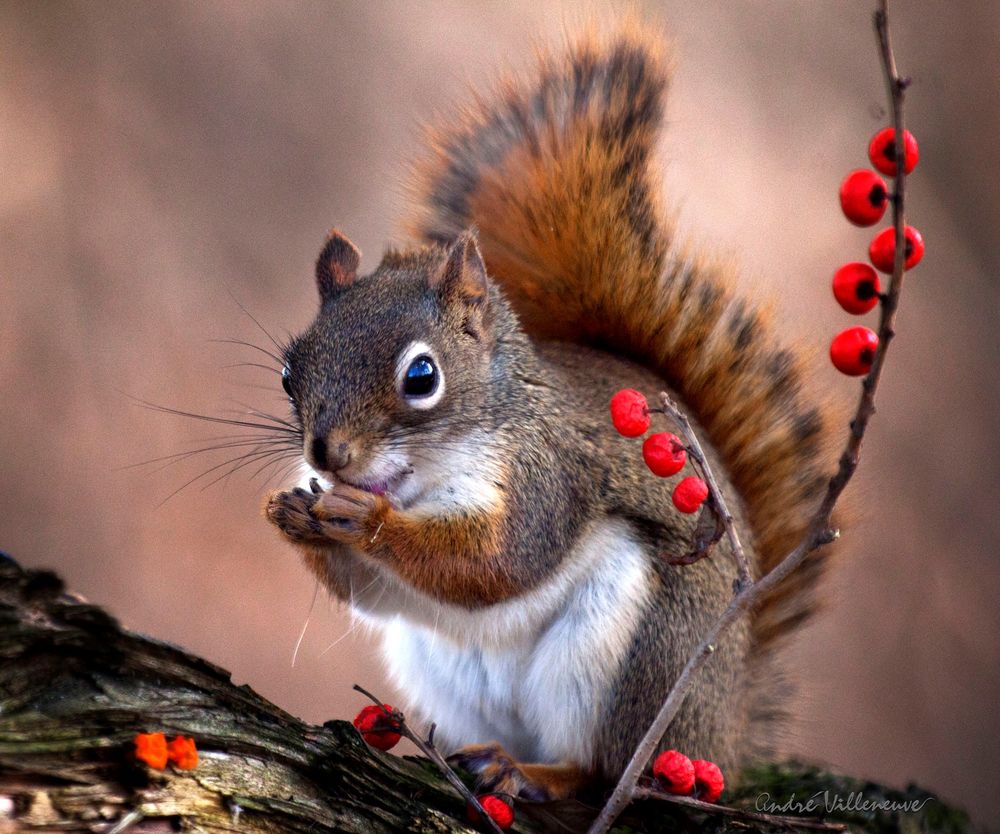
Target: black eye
x=286, y=381
x=421, y=378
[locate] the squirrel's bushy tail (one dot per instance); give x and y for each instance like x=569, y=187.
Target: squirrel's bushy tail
x=558, y=172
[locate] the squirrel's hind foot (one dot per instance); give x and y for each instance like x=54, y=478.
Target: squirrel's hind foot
x=497, y=772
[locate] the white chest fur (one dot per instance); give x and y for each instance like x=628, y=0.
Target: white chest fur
x=532, y=673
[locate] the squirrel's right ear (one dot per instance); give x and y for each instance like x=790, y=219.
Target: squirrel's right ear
x=463, y=274
x=337, y=266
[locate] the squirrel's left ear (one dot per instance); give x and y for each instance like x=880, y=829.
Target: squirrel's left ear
x=463, y=275
x=337, y=266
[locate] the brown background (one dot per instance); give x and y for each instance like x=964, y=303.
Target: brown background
x=157, y=156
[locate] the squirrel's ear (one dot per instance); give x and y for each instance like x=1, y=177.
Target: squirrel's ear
x=337, y=266
x=463, y=276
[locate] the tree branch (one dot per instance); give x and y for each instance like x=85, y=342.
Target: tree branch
x=75, y=688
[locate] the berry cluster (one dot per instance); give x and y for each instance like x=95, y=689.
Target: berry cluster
x=155, y=751
x=864, y=197
x=677, y=774
x=663, y=452
x=377, y=727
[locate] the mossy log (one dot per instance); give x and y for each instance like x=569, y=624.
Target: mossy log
x=75, y=688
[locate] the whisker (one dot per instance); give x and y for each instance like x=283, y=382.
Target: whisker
x=305, y=625
x=175, y=457
x=252, y=346
x=270, y=463
x=263, y=329
x=206, y=473
x=247, y=460
x=269, y=368
x=263, y=415
x=210, y=419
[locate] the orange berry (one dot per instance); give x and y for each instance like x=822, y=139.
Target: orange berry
x=183, y=753
x=151, y=748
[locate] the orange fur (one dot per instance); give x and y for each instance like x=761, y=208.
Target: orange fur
x=457, y=557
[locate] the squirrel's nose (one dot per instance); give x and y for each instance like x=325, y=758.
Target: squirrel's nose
x=328, y=459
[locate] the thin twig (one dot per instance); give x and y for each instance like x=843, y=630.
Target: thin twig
x=719, y=502
x=738, y=813
x=818, y=532
x=431, y=752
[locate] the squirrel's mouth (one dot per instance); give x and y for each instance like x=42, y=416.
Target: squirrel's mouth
x=378, y=483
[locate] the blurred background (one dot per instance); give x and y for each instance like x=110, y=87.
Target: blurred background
x=161, y=162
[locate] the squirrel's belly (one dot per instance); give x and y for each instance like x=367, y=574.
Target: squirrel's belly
x=542, y=694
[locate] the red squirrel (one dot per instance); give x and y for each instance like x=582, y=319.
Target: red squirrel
x=482, y=512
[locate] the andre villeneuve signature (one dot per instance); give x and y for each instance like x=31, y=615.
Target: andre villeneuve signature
x=831, y=802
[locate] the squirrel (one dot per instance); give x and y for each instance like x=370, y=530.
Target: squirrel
x=482, y=513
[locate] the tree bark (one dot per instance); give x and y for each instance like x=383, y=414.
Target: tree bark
x=75, y=688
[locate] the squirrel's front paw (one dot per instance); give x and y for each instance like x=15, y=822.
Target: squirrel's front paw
x=355, y=515
x=291, y=512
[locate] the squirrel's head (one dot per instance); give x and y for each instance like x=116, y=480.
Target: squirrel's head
x=395, y=370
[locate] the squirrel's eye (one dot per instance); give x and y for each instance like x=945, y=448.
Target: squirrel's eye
x=421, y=378
x=286, y=380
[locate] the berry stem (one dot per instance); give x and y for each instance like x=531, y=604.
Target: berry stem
x=431, y=752
x=819, y=532
x=719, y=506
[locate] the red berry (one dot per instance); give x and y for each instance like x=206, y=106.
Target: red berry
x=664, y=454
x=377, y=728
x=853, y=351
x=675, y=771
x=499, y=811
x=882, y=251
x=689, y=494
x=708, y=780
x=882, y=151
x=863, y=197
x=856, y=287
x=630, y=412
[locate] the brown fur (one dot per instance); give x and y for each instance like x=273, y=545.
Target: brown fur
x=560, y=177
